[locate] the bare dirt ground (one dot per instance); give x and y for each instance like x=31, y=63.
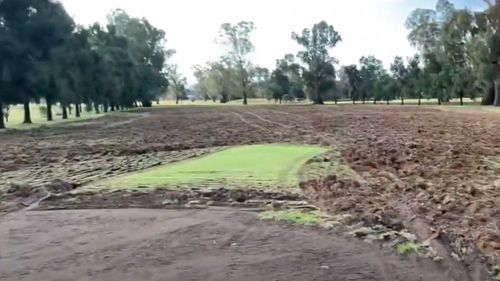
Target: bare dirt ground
x=435, y=172
x=133, y=244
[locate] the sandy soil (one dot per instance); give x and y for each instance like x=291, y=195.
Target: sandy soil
x=131, y=245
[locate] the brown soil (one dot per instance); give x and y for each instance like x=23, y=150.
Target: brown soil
x=223, y=244
x=432, y=171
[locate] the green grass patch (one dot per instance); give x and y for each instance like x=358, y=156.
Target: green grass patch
x=268, y=165
x=292, y=216
x=408, y=248
x=39, y=119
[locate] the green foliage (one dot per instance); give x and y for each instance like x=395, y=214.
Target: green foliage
x=371, y=71
x=353, y=79
x=307, y=218
x=408, y=248
x=319, y=71
x=236, y=39
x=43, y=55
x=279, y=85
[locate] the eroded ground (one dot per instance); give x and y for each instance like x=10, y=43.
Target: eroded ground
x=434, y=172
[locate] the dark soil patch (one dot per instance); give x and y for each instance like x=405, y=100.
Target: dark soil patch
x=221, y=244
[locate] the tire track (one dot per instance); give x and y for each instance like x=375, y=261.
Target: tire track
x=242, y=119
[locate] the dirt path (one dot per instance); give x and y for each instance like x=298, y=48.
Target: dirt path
x=219, y=244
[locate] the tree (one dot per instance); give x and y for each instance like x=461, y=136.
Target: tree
x=415, y=81
x=371, y=71
x=260, y=79
x=279, y=85
x=37, y=27
x=236, y=39
x=493, y=41
x=354, y=81
x=319, y=70
x=178, y=83
x=293, y=71
x=400, y=74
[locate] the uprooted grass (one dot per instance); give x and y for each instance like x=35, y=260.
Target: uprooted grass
x=327, y=164
x=298, y=217
x=266, y=166
x=408, y=248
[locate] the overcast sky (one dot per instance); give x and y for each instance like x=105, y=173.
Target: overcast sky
x=367, y=27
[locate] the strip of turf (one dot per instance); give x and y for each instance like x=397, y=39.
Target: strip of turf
x=255, y=165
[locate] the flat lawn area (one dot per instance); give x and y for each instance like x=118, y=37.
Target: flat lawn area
x=269, y=165
x=467, y=101
x=16, y=117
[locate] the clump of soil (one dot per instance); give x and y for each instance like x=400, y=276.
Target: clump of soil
x=165, y=198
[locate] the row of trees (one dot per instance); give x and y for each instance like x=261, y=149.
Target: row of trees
x=458, y=56
x=233, y=76
x=46, y=57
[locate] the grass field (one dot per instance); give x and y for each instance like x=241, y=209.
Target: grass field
x=16, y=117
x=256, y=101
x=262, y=101
x=467, y=101
x=256, y=165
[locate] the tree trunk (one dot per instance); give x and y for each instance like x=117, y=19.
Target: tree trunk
x=489, y=95
x=27, y=113
x=496, y=102
x=374, y=101
x=387, y=101
x=319, y=99
x=439, y=101
x=336, y=101
x=96, y=108
x=461, y=100
x=245, y=101
x=77, y=110
x=105, y=107
x=419, y=99
x=64, y=112
x=112, y=107
x=177, y=100
x=49, y=110
x=402, y=101
x=2, y=123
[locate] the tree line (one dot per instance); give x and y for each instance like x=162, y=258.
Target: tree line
x=457, y=56
x=46, y=57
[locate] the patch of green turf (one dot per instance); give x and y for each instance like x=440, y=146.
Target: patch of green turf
x=16, y=117
x=269, y=165
x=292, y=216
x=407, y=248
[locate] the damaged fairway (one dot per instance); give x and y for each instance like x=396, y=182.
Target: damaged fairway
x=268, y=165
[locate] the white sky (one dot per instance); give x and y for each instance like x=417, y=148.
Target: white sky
x=367, y=26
